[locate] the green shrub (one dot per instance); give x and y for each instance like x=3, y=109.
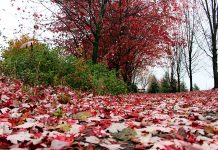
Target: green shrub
x=183, y=87
x=105, y=81
x=37, y=66
x=114, y=85
x=80, y=76
x=165, y=84
x=42, y=65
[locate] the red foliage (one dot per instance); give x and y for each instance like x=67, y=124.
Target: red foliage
x=128, y=34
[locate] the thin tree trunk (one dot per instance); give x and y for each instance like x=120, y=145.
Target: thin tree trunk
x=191, y=59
x=97, y=35
x=172, y=81
x=95, y=52
x=214, y=43
x=117, y=70
x=178, y=80
x=215, y=71
x=191, y=82
x=190, y=70
x=96, y=46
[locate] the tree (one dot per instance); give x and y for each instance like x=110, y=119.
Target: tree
x=210, y=10
x=189, y=28
x=136, y=39
x=79, y=20
x=153, y=86
x=196, y=88
x=165, y=83
x=141, y=78
x=174, y=60
x=176, y=66
x=183, y=87
x=184, y=56
x=174, y=69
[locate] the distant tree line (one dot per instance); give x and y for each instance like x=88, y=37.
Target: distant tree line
x=167, y=85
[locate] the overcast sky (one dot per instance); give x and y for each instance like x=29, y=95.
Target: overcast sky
x=10, y=22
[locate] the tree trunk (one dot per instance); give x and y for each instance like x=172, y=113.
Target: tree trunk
x=127, y=75
x=178, y=80
x=127, y=81
x=95, y=48
x=172, y=81
x=191, y=82
x=95, y=53
x=190, y=70
x=117, y=70
x=215, y=71
x=214, y=43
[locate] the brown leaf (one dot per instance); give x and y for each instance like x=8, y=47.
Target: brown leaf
x=181, y=134
x=210, y=129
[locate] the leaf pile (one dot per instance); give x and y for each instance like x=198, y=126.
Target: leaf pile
x=33, y=118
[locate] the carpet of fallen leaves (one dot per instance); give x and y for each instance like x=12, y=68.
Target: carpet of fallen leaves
x=61, y=118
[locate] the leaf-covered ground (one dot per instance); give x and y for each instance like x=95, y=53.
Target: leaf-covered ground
x=60, y=118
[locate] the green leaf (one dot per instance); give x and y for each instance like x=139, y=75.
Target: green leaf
x=58, y=112
x=64, y=127
x=82, y=116
x=125, y=135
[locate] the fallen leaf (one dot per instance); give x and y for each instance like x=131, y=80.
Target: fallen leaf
x=82, y=116
x=92, y=139
x=116, y=127
x=210, y=129
x=5, y=98
x=125, y=135
x=5, y=128
x=64, y=127
x=27, y=125
x=19, y=137
x=58, y=112
x=58, y=145
x=112, y=146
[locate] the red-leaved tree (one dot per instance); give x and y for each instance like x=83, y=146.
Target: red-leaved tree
x=127, y=34
x=139, y=34
x=80, y=23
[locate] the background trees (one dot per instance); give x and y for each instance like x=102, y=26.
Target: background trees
x=191, y=53
x=154, y=86
x=81, y=21
x=128, y=36
x=165, y=85
x=185, y=53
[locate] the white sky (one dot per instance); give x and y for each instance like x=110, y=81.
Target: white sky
x=9, y=21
